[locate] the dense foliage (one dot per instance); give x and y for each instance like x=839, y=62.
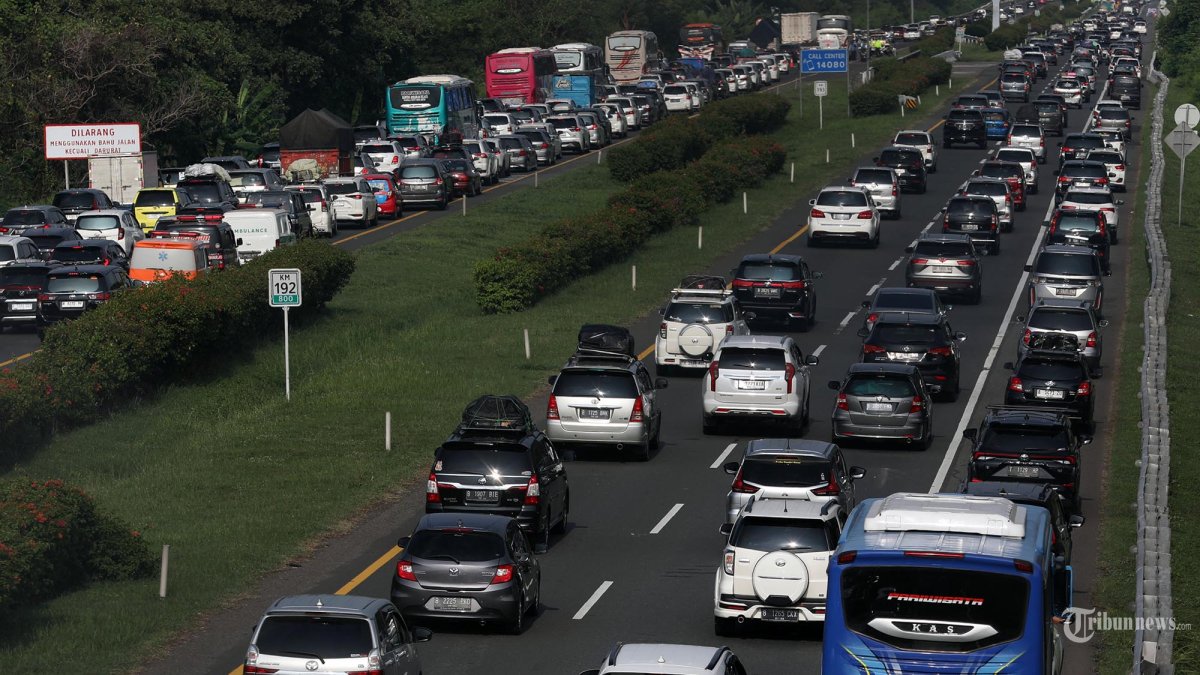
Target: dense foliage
x=1179, y=47
x=910, y=77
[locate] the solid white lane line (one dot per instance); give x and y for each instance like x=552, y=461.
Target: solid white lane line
x=846, y=321
x=721, y=457
x=871, y=290
x=818, y=350
x=926, y=228
x=895, y=264
x=913, y=242
x=666, y=519
x=587, y=606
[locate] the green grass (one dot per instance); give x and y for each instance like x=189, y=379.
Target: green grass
x=239, y=481
x=979, y=52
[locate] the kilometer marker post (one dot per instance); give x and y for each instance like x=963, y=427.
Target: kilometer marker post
x=284, y=291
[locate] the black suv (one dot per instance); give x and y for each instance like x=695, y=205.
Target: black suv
x=1035, y=494
x=1023, y=444
x=964, y=126
x=46, y=238
x=90, y=252
x=924, y=340
x=1126, y=88
x=1080, y=173
x=946, y=263
x=289, y=201
x=1077, y=146
x=976, y=216
x=74, y=289
x=74, y=202
x=208, y=193
x=497, y=461
x=22, y=218
x=909, y=165
x=1057, y=378
x=776, y=286
x=1081, y=228
x=211, y=228
x=20, y=285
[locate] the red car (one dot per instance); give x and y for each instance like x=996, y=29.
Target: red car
x=463, y=178
x=387, y=195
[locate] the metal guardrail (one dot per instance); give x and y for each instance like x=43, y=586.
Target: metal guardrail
x=1153, y=643
x=913, y=53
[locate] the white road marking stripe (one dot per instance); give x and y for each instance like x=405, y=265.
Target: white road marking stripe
x=846, y=320
x=913, y=242
x=896, y=264
x=926, y=228
x=666, y=519
x=721, y=458
x=871, y=290
x=818, y=350
x=587, y=606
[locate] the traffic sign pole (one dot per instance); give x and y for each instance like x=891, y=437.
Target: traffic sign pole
x=284, y=290
x=287, y=358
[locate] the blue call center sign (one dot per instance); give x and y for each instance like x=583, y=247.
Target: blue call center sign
x=824, y=61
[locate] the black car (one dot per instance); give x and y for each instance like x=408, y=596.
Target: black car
x=1080, y=173
x=1081, y=228
x=498, y=461
x=22, y=218
x=965, y=125
x=778, y=287
x=473, y=567
x=90, y=252
x=20, y=285
x=208, y=194
x=288, y=201
x=74, y=289
x=901, y=299
x=1057, y=378
x=211, y=228
x=1026, y=444
x=909, y=165
x=1077, y=146
x=74, y=202
x=947, y=264
x=924, y=340
x=976, y=216
x=46, y=238
x=1063, y=109
x=1051, y=115
x=1126, y=88
x=1035, y=494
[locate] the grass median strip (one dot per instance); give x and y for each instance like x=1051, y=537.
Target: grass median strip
x=239, y=481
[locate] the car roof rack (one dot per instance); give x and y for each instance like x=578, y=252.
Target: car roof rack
x=703, y=282
x=492, y=413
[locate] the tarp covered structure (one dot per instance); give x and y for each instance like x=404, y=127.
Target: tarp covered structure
x=317, y=130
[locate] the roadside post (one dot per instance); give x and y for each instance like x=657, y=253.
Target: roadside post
x=821, y=90
x=827, y=61
x=284, y=291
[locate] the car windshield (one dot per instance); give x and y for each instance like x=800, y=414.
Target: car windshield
x=1068, y=264
x=1094, y=170
x=771, y=272
x=315, y=635
x=147, y=258
x=746, y=358
x=943, y=249
x=786, y=470
x=675, y=89
x=890, y=386
x=989, y=189
x=1080, y=197
x=424, y=171
x=310, y=195
x=1084, y=142
x=80, y=284
x=378, y=148
x=271, y=200
x=900, y=333
x=155, y=198
x=1014, y=77
x=914, y=301
x=873, y=176
x=1000, y=171
x=379, y=185
x=461, y=546
x=893, y=157
x=1078, y=222
x=1026, y=130
x=967, y=207
x=596, y=383
x=1005, y=437
x=97, y=223
x=781, y=534
x=691, y=312
x=18, y=217
x=343, y=188
x=77, y=254
x=846, y=198
x=205, y=193
x=246, y=180
x=1021, y=156
x=47, y=242
x=75, y=200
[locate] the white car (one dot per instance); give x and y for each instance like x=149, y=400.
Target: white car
x=616, y=119
x=694, y=322
x=486, y=164
x=498, y=152
x=1113, y=140
x=774, y=568
x=15, y=249
x=677, y=98
x=1115, y=162
x=387, y=155
x=1139, y=27
x=633, y=116
x=1071, y=90
x=116, y=225
x=1095, y=199
x=1031, y=136
x=921, y=140
x=1028, y=161
x=744, y=82
x=316, y=200
x=757, y=377
x=843, y=214
x=353, y=201
x=501, y=124
x=696, y=93
x=1130, y=61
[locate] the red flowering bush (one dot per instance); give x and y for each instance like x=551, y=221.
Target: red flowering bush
x=53, y=538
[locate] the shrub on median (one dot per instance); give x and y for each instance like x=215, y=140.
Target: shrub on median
x=893, y=78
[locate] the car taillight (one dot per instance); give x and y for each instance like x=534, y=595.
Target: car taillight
x=994, y=223
x=432, y=496
x=829, y=490
x=43, y=297
x=1014, y=384
x=1042, y=142
x=873, y=349
x=322, y=205
x=404, y=570
x=552, y=408
x=941, y=351
x=842, y=403
x=1067, y=150
x=872, y=317
x=257, y=670
x=576, y=129
x=741, y=487
x=965, y=263
x=1067, y=207
x=918, y=404
x=789, y=372
x=743, y=283
x=729, y=558
x=1091, y=339
x=918, y=261
x=99, y=296
x=864, y=215
x=1026, y=335
x=790, y=285
x=816, y=213
x=503, y=574
x=1085, y=389
x=662, y=330
x=355, y=195
x=438, y=181
x=946, y=224
x=714, y=369
x=637, y=414
x=1119, y=167
x=729, y=329
x=1102, y=181
x=395, y=159
x=533, y=491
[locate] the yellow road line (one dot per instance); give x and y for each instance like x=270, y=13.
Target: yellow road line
x=17, y=358
x=796, y=235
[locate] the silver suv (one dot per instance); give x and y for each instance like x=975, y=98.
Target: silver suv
x=1066, y=273
x=334, y=634
x=1056, y=317
x=572, y=132
x=667, y=659
x=884, y=186
x=1030, y=136
x=757, y=377
x=792, y=468
x=694, y=323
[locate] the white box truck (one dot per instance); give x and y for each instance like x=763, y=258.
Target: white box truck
x=123, y=175
x=799, y=28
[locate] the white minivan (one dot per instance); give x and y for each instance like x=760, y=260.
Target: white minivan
x=260, y=231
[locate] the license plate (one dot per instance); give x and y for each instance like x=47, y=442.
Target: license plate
x=71, y=304
x=841, y=216
x=419, y=188
x=970, y=227
x=942, y=269
x=452, y=604
x=766, y=292
x=1065, y=291
x=21, y=306
x=1056, y=394
x=752, y=385
x=904, y=356
x=482, y=495
x=594, y=413
x=773, y=614
x=1024, y=472
x=879, y=407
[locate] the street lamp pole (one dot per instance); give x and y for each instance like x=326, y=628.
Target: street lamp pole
x=912, y=11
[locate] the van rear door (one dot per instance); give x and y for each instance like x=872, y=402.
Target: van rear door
x=260, y=230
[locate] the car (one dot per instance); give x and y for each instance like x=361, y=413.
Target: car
x=1077, y=146
x=946, y=263
x=1067, y=273
x=246, y=181
x=596, y=125
x=694, y=322
x=353, y=200
x=1115, y=163
x=1078, y=227
x=72, y=202
x=975, y=216
x=791, y=467
x=971, y=102
x=464, y=181
x=1114, y=119
x=1080, y=173
x=21, y=218
x=207, y=192
x=228, y=162
x=72, y=290
x=90, y=252
x=486, y=164
x=501, y=155
x=1009, y=172
x=299, y=221
x=387, y=155
x=1050, y=321
x=46, y=238
x=1073, y=92
x=20, y=285
x=179, y=254
x=1015, y=86
x=16, y=249
x=844, y=214
x=498, y=461
x=1028, y=444
x=219, y=240
x=1030, y=136
x=335, y=634
x=999, y=191
x=775, y=560
x=921, y=140
x=1052, y=110
x=909, y=164
x=1057, y=378
x=924, y=340
x=154, y=203
x=883, y=401
x=616, y=119
x=474, y=567
x=364, y=164
x=678, y=99
x=501, y=123
x=604, y=396
x=547, y=147
x=424, y=181
x=451, y=152
x=1063, y=522
x=777, y=287
x=520, y=152
x=1026, y=159
x=893, y=299
x=628, y=109
x=882, y=184
x=1095, y=199
x=965, y=126
x=572, y=132
x=997, y=122
x=1113, y=139
x=757, y=377
x=387, y=198
x=414, y=147
x=316, y=200
x=669, y=659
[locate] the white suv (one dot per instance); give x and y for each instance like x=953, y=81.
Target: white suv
x=846, y=213
x=353, y=201
x=668, y=659
x=694, y=323
x=757, y=377
x=387, y=155
x=774, y=567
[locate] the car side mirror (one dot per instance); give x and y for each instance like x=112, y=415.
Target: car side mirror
x=863, y=332
x=1085, y=440
x=403, y=542
x=934, y=389
x=1108, y=273
x=1103, y=323
x=818, y=275
x=811, y=360
x=731, y=468
x=749, y=316
x=865, y=304
x=726, y=529
x=551, y=380
x=835, y=385
x=1059, y=145
x=1120, y=202
x=1008, y=365
x=970, y=434
x=1028, y=268
x=960, y=336
x=857, y=472
x=1077, y=521
x=812, y=202
x=421, y=634
x=662, y=311
x=661, y=383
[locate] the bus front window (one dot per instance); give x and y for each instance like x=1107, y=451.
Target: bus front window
x=624, y=43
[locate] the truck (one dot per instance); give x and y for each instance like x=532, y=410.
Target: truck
x=582, y=89
x=833, y=31
x=799, y=28
x=316, y=144
x=121, y=176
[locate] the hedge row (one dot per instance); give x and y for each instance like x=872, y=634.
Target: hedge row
x=941, y=40
x=681, y=140
x=517, y=277
x=52, y=539
x=910, y=77
x=143, y=338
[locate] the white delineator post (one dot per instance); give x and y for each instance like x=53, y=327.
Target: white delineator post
x=387, y=431
x=162, y=574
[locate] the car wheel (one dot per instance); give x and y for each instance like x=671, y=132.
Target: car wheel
x=924, y=188
x=933, y=169
x=561, y=527
x=654, y=442
x=535, y=607
x=442, y=204
x=663, y=370
x=1114, y=236
x=517, y=625
x=896, y=215
x=994, y=249
x=875, y=241
x=724, y=627
x=977, y=295
x=926, y=438
x=541, y=542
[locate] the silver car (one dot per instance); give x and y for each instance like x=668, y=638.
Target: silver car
x=1066, y=273
x=572, y=132
x=547, y=147
x=884, y=186
x=633, y=116
x=888, y=401
x=668, y=659
x=1028, y=136
x=791, y=468
x=757, y=377
x=520, y=150
x=1028, y=161
x=1064, y=316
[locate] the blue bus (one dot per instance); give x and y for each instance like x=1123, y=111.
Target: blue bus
x=431, y=105
x=940, y=583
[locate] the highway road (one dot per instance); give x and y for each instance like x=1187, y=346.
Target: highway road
x=638, y=560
